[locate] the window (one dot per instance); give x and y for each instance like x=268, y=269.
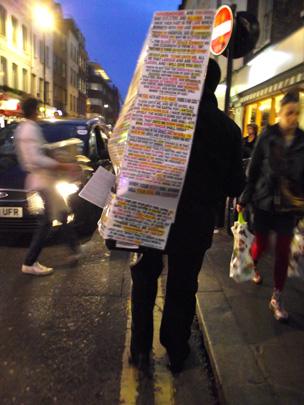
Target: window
x=2, y=20
x=63, y=69
x=95, y=86
x=71, y=102
x=40, y=94
x=73, y=53
x=24, y=80
x=47, y=56
x=24, y=38
x=15, y=75
x=35, y=45
x=41, y=51
x=47, y=91
x=33, y=85
x=265, y=9
x=3, y=71
x=14, y=30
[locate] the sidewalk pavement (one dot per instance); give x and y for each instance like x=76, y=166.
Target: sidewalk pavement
x=256, y=359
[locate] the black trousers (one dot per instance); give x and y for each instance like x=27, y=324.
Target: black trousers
x=179, y=309
x=43, y=229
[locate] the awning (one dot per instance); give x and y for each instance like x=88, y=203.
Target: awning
x=294, y=77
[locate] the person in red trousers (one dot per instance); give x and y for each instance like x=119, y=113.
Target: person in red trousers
x=275, y=190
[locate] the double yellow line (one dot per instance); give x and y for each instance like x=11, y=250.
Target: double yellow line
x=133, y=384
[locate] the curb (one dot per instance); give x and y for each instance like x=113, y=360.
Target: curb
x=239, y=378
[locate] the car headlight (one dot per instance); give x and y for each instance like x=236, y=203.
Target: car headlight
x=66, y=189
x=35, y=203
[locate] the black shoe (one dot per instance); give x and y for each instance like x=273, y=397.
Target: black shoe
x=177, y=362
x=140, y=360
x=176, y=367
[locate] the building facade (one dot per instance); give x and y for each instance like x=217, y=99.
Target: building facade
x=82, y=76
x=77, y=59
x=23, y=51
x=71, y=33
x=275, y=66
x=49, y=63
x=103, y=96
x=60, y=62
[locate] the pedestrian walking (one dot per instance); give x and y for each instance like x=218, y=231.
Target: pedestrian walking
x=275, y=190
x=250, y=140
x=214, y=171
x=41, y=176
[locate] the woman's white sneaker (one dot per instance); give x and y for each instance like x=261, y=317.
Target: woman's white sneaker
x=37, y=269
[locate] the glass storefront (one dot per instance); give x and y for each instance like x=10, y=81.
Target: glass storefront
x=265, y=111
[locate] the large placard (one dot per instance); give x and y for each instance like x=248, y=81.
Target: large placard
x=151, y=142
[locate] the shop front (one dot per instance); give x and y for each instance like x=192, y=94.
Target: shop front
x=262, y=105
x=10, y=109
x=259, y=85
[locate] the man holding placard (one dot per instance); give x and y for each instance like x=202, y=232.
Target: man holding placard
x=214, y=171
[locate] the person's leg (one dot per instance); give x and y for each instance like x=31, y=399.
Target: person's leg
x=283, y=226
x=144, y=274
x=282, y=249
x=41, y=233
x=69, y=232
x=280, y=274
x=259, y=246
x=220, y=213
x=179, y=309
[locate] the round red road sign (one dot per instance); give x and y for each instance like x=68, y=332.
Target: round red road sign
x=222, y=30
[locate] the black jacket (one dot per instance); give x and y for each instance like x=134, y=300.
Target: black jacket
x=214, y=172
x=276, y=172
x=248, y=148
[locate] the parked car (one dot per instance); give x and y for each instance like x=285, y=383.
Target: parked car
x=19, y=209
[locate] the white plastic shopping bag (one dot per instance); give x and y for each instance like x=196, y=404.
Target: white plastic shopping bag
x=241, y=264
x=296, y=258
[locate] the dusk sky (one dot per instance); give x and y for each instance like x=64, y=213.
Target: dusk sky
x=115, y=31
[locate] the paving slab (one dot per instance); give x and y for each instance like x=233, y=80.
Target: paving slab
x=256, y=359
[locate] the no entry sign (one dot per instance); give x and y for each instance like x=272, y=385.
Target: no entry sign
x=222, y=30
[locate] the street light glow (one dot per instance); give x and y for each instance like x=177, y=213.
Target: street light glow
x=43, y=17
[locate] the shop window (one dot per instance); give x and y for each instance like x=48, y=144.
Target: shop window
x=253, y=111
x=277, y=106
x=266, y=111
x=263, y=113
x=2, y=21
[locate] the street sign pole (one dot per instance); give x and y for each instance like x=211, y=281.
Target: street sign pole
x=230, y=61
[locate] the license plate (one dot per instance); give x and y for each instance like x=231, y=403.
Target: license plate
x=11, y=212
